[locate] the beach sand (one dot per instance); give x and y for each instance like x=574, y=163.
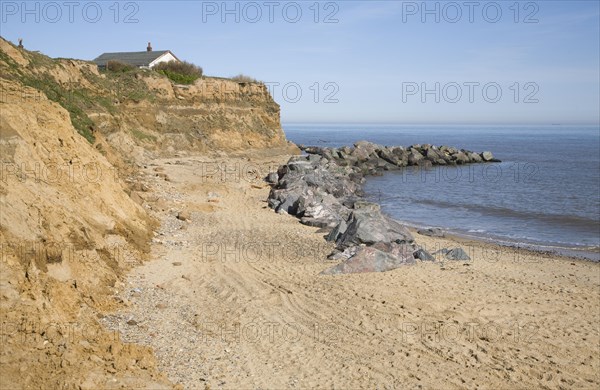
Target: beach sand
x=234, y=299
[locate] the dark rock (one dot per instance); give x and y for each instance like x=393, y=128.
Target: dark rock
x=272, y=178
x=301, y=166
x=454, y=254
x=367, y=225
x=422, y=254
x=340, y=229
x=319, y=222
x=289, y=204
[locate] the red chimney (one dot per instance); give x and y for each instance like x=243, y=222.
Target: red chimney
x=149, y=48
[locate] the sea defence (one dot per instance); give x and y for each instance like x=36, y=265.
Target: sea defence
x=324, y=189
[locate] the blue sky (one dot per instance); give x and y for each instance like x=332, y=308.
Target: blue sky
x=357, y=61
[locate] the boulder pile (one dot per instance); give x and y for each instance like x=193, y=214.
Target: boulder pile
x=324, y=189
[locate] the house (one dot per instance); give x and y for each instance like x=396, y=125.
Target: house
x=140, y=59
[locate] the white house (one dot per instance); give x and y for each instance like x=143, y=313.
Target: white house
x=140, y=59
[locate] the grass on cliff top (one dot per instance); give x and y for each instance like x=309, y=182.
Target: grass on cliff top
x=242, y=78
x=109, y=88
x=128, y=85
x=72, y=101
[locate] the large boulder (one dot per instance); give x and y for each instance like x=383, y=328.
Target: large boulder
x=374, y=259
x=370, y=147
x=432, y=154
x=387, y=155
x=414, y=156
x=423, y=255
x=461, y=158
x=337, y=231
x=364, y=151
x=272, y=178
x=367, y=225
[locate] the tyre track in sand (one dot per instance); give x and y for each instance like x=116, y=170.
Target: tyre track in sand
x=245, y=306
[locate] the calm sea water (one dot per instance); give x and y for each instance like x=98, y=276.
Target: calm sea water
x=545, y=193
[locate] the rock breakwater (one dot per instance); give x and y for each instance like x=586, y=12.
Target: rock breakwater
x=324, y=189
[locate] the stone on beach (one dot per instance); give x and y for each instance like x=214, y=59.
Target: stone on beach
x=372, y=259
x=367, y=225
x=422, y=254
x=453, y=254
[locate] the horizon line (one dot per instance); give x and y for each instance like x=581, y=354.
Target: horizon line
x=433, y=123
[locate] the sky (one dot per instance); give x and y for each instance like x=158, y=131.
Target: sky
x=409, y=62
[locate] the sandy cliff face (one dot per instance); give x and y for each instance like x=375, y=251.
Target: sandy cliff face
x=71, y=140
x=212, y=114
x=68, y=230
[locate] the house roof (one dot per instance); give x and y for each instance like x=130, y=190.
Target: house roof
x=137, y=58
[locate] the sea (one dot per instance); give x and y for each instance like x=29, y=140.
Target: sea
x=544, y=195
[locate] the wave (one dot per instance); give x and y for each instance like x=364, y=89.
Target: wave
x=570, y=249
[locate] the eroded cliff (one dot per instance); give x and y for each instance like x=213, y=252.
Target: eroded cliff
x=71, y=140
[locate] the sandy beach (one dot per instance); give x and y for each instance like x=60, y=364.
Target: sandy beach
x=232, y=298
x=208, y=195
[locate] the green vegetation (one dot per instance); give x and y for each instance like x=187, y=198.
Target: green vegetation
x=179, y=72
x=9, y=61
x=73, y=101
x=102, y=93
x=118, y=66
x=78, y=101
x=242, y=78
x=37, y=60
x=128, y=86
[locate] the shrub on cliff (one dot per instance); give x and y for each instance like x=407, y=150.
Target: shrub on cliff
x=179, y=72
x=118, y=66
x=242, y=78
